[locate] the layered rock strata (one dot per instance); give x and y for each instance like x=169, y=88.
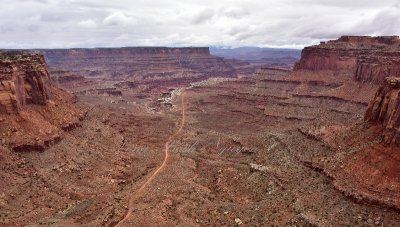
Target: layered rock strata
x=24, y=80
x=135, y=61
x=384, y=109
x=366, y=59
x=34, y=112
x=152, y=69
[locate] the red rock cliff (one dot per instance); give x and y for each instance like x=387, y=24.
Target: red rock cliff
x=367, y=59
x=376, y=66
x=33, y=110
x=24, y=80
x=384, y=110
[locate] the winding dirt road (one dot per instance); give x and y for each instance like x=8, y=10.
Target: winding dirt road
x=135, y=194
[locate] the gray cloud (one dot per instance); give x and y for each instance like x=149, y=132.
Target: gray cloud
x=288, y=23
x=6, y=29
x=236, y=13
x=203, y=16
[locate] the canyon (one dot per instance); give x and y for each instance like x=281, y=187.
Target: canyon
x=156, y=136
x=151, y=69
x=142, y=66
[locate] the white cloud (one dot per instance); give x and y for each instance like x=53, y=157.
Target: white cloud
x=118, y=19
x=236, y=13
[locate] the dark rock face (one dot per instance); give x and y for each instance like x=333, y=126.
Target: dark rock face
x=367, y=59
x=384, y=109
x=24, y=80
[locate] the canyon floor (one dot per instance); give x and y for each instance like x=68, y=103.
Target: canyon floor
x=238, y=153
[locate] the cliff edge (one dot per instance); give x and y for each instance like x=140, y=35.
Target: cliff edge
x=24, y=80
x=366, y=162
x=366, y=59
x=384, y=110
x=33, y=110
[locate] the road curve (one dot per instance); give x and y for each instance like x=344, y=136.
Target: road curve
x=135, y=194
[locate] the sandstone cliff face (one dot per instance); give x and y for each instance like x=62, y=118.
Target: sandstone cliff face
x=367, y=59
x=316, y=58
x=384, y=109
x=33, y=111
x=24, y=80
x=375, y=67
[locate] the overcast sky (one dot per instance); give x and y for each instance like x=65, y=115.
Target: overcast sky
x=283, y=23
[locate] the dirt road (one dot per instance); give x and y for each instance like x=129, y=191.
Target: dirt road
x=138, y=192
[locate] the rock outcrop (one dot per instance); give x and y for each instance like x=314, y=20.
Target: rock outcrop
x=366, y=59
x=24, y=80
x=384, y=109
x=376, y=66
x=33, y=110
x=366, y=163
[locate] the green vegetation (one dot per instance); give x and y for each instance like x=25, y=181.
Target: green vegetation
x=12, y=56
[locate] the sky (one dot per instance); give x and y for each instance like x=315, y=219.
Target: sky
x=227, y=23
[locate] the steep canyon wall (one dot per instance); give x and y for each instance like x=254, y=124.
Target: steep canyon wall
x=366, y=59
x=24, y=80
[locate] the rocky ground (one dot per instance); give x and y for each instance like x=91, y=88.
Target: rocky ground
x=241, y=159
x=275, y=148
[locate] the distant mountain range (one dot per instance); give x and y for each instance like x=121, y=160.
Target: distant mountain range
x=255, y=53
x=261, y=56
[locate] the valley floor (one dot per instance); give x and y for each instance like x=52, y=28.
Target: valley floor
x=242, y=157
